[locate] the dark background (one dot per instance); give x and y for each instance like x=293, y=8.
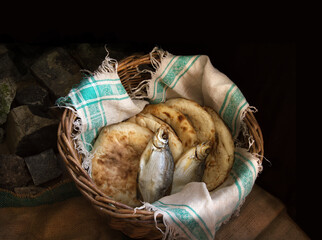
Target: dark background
x=264, y=70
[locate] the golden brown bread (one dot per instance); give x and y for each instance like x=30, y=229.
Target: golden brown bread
x=153, y=123
x=220, y=160
x=118, y=148
x=115, y=164
x=177, y=120
x=199, y=118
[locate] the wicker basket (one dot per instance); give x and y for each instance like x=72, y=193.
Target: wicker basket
x=139, y=223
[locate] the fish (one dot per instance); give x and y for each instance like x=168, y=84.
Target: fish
x=156, y=167
x=190, y=166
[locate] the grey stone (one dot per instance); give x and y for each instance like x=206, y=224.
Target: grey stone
x=58, y=71
x=31, y=50
x=43, y=167
x=26, y=54
x=8, y=68
x=1, y=135
x=7, y=93
x=4, y=148
x=32, y=95
x=61, y=164
x=13, y=172
x=3, y=49
x=28, y=134
x=89, y=56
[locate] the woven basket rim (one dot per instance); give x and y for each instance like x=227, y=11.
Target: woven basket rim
x=133, y=222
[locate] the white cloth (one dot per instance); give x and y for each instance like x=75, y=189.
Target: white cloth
x=194, y=213
x=98, y=100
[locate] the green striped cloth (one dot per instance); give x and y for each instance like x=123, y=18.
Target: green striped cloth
x=194, y=213
x=194, y=77
x=100, y=99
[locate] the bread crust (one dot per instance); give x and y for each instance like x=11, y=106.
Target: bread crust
x=220, y=160
x=115, y=164
x=177, y=120
x=153, y=123
x=199, y=118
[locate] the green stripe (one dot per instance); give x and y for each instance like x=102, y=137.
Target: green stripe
x=103, y=114
x=80, y=97
x=231, y=109
x=185, y=71
x=75, y=96
x=95, y=115
x=87, y=138
x=86, y=83
x=156, y=80
x=226, y=97
x=89, y=94
x=187, y=220
x=166, y=87
x=104, y=121
x=237, y=205
x=183, y=205
x=84, y=110
x=96, y=101
x=237, y=185
x=105, y=79
x=176, y=68
x=175, y=222
x=248, y=160
x=170, y=76
x=246, y=178
x=237, y=116
x=244, y=174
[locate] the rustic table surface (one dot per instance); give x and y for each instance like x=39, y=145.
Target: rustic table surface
x=261, y=217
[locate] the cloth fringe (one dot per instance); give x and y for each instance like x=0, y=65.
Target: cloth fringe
x=169, y=232
x=76, y=136
x=250, y=138
x=142, y=90
x=244, y=130
x=108, y=66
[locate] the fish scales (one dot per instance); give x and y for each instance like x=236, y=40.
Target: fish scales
x=190, y=166
x=156, y=167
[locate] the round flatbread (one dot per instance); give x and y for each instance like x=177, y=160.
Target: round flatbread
x=199, y=118
x=177, y=120
x=220, y=160
x=153, y=123
x=115, y=164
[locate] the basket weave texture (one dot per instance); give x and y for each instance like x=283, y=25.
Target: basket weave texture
x=133, y=223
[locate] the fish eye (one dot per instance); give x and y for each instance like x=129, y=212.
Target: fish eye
x=207, y=151
x=164, y=136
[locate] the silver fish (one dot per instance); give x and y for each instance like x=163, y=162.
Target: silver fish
x=190, y=166
x=156, y=167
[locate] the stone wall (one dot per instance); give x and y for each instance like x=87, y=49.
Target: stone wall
x=32, y=77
